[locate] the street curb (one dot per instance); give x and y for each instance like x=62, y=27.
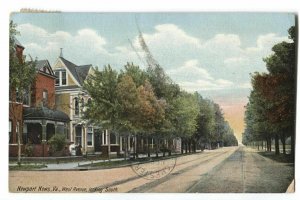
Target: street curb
x=82, y=168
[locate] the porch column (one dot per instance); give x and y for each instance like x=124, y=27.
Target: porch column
x=55, y=128
x=44, y=131
x=83, y=132
x=66, y=130
x=128, y=140
x=121, y=143
x=106, y=136
x=135, y=141
x=44, y=136
x=103, y=142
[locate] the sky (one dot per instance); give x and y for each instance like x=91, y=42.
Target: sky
x=212, y=53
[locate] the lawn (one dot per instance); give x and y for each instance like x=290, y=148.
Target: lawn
x=26, y=167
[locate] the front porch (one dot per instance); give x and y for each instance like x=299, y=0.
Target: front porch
x=39, y=125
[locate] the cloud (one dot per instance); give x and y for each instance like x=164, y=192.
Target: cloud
x=202, y=85
x=170, y=34
x=190, y=70
x=169, y=44
x=225, y=62
x=84, y=45
x=264, y=43
x=233, y=61
x=191, y=77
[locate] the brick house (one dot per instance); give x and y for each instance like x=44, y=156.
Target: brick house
x=15, y=109
x=36, y=115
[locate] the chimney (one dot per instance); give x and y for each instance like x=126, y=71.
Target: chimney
x=61, y=53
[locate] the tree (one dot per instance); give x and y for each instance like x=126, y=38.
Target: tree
x=273, y=99
x=138, y=76
x=205, y=121
x=151, y=111
x=104, y=108
x=129, y=106
x=21, y=76
x=165, y=90
x=187, y=109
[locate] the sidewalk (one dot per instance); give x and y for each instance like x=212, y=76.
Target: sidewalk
x=78, y=164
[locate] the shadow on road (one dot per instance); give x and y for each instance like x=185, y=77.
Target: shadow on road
x=288, y=158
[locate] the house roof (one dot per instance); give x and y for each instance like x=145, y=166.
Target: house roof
x=79, y=72
x=40, y=64
x=82, y=72
x=45, y=113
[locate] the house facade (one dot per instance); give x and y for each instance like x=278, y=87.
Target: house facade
x=71, y=99
x=15, y=110
x=36, y=117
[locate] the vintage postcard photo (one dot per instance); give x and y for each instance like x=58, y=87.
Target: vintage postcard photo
x=166, y=102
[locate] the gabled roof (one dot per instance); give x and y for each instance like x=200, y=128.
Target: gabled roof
x=40, y=64
x=82, y=72
x=78, y=72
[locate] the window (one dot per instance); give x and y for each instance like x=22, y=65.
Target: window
x=26, y=97
x=18, y=95
x=78, y=135
x=24, y=136
x=10, y=132
x=82, y=102
x=89, y=102
x=113, y=138
x=45, y=98
x=76, y=106
x=63, y=78
x=57, y=78
x=89, y=138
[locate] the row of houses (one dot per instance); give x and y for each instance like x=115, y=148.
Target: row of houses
x=54, y=105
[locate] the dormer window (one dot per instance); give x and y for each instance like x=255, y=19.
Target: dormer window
x=61, y=78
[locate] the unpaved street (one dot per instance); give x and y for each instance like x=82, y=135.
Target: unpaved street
x=231, y=169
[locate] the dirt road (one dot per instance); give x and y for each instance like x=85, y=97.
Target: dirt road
x=231, y=169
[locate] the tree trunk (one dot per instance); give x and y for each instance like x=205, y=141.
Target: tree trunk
x=137, y=147
x=164, y=148
x=170, y=146
x=134, y=147
x=186, y=147
x=270, y=144
x=182, y=146
x=148, y=147
x=19, y=144
x=282, y=138
x=257, y=145
x=108, y=146
x=189, y=146
x=156, y=149
x=125, y=152
x=276, y=144
x=293, y=144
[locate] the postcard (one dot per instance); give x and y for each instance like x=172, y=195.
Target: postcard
x=162, y=102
